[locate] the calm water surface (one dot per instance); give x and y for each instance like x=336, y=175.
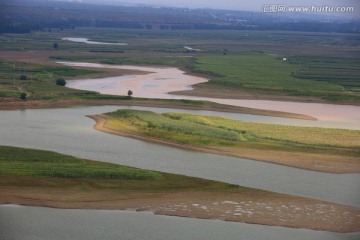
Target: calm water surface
x=31, y=223
x=85, y=40
x=68, y=131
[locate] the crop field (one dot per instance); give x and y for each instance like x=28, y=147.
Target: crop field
x=210, y=42
x=319, y=65
x=267, y=72
x=210, y=130
x=344, y=72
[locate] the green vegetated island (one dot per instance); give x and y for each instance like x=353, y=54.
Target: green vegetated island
x=319, y=149
x=43, y=178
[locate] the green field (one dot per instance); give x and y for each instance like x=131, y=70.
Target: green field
x=33, y=168
x=335, y=80
x=40, y=80
x=25, y=162
x=210, y=42
x=323, y=66
x=219, y=131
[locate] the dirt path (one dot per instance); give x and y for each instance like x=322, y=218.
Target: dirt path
x=329, y=163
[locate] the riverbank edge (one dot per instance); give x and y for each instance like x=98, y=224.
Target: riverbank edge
x=201, y=206
x=15, y=104
x=308, y=161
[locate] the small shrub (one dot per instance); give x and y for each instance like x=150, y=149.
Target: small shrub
x=23, y=96
x=60, y=82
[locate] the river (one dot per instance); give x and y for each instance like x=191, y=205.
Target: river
x=160, y=82
x=85, y=40
x=67, y=130
x=31, y=223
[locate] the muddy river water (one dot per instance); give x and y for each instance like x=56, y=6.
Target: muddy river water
x=160, y=82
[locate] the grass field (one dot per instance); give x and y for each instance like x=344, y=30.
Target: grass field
x=52, y=169
x=320, y=66
x=210, y=130
x=210, y=42
x=328, y=78
x=25, y=162
x=40, y=80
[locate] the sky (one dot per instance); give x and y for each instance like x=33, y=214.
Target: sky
x=248, y=5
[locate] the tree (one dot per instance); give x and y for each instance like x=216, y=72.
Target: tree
x=130, y=93
x=56, y=46
x=23, y=77
x=23, y=96
x=60, y=82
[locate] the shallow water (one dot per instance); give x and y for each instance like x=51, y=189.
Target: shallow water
x=68, y=131
x=162, y=81
x=32, y=223
x=85, y=40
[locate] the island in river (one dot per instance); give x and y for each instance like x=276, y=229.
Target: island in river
x=318, y=149
x=43, y=178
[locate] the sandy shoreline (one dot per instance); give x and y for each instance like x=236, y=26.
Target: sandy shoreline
x=255, y=207
x=329, y=163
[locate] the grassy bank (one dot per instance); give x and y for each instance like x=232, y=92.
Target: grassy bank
x=47, y=168
x=42, y=178
x=320, y=149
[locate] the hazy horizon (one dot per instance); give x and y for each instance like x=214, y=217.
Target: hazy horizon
x=254, y=5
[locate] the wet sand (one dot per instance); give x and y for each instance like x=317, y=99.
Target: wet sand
x=247, y=206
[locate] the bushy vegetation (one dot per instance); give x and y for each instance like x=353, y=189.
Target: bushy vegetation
x=310, y=136
x=211, y=130
x=156, y=125
x=60, y=82
x=27, y=162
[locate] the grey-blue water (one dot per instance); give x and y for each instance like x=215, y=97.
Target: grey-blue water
x=68, y=131
x=31, y=223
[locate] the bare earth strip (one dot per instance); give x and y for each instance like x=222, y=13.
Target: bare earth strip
x=253, y=206
x=330, y=163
